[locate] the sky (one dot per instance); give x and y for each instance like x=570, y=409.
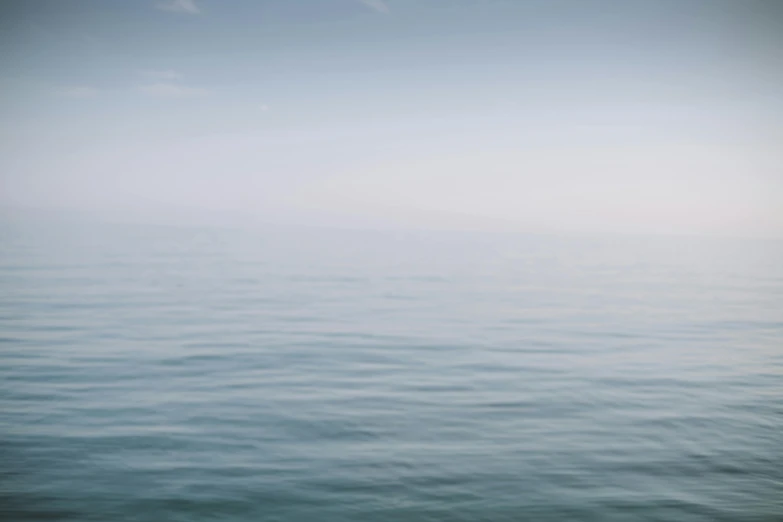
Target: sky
x=625, y=116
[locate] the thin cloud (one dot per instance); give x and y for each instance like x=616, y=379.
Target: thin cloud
x=78, y=92
x=163, y=75
x=179, y=6
x=377, y=5
x=263, y=107
x=171, y=90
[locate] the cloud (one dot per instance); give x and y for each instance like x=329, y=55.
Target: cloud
x=78, y=92
x=171, y=90
x=263, y=107
x=163, y=75
x=179, y=6
x=377, y=5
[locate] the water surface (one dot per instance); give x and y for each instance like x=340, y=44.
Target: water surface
x=183, y=373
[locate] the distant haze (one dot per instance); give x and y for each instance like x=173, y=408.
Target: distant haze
x=595, y=116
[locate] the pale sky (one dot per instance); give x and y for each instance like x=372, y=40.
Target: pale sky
x=537, y=115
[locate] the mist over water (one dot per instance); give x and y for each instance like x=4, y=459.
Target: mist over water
x=180, y=373
x=222, y=368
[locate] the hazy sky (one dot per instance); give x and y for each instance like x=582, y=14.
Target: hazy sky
x=621, y=115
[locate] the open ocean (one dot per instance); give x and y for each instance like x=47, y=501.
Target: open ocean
x=206, y=374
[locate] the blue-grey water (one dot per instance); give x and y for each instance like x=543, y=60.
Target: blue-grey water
x=188, y=374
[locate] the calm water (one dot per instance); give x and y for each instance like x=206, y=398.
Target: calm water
x=185, y=374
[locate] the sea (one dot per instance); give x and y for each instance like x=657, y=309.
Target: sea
x=194, y=373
